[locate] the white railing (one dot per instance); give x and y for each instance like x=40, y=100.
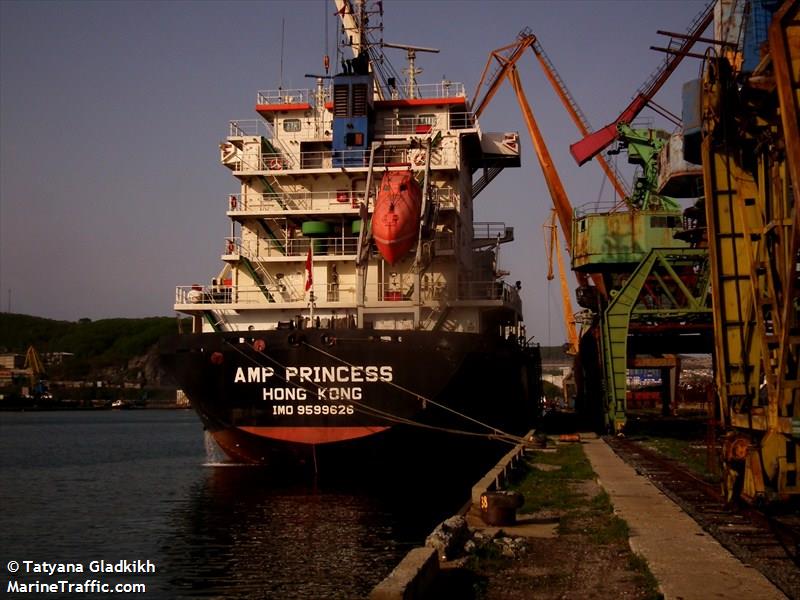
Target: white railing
x=335, y=200
x=272, y=161
x=443, y=89
x=487, y=290
x=275, y=161
x=292, y=96
x=488, y=230
x=329, y=159
x=269, y=248
x=245, y=127
x=330, y=201
x=423, y=125
x=401, y=290
x=200, y=295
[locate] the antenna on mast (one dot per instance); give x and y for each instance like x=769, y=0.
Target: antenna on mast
x=412, y=70
x=283, y=26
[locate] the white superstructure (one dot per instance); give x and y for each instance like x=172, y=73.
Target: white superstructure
x=299, y=189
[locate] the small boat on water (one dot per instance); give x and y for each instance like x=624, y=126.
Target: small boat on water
x=395, y=221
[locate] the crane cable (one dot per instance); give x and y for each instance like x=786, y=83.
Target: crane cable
x=437, y=404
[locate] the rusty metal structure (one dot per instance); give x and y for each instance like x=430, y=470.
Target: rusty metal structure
x=722, y=275
x=643, y=283
x=751, y=164
x=678, y=48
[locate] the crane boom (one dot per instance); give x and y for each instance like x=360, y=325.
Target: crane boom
x=507, y=57
x=344, y=9
x=576, y=114
x=34, y=365
x=562, y=204
x=552, y=246
x=591, y=145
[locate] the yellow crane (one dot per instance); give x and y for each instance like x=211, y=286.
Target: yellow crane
x=34, y=365
x=552, y=247
x=36, y=373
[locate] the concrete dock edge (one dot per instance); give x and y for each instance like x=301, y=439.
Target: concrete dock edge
x=413, y=577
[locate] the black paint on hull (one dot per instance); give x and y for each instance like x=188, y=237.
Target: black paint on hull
x=288, y=398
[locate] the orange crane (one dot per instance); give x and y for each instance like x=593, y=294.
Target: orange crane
x=507, y=57
x=552, y=247
x=505, y=60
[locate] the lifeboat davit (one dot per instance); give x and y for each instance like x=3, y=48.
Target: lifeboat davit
x=395, y=221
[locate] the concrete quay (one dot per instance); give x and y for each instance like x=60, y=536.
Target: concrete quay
x=688, y=563
x=413, y=578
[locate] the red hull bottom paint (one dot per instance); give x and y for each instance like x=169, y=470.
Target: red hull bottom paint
x=284, y=446
x=313, y=435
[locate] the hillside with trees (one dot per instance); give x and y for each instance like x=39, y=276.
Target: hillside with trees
x=118, y=350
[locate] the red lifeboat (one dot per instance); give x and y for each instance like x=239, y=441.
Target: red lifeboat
x=395, y=221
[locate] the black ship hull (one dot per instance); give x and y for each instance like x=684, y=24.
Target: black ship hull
x=289, y=397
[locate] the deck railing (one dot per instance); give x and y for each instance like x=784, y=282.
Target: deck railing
x=424, y=124
x=291, y=96
x=399, y=290
x=270, y=248
x=334, y=200
x=488, y=230
x=442, y=89
x=200, y=295
x=246, y=127
x=330, y=201
x=330, y=159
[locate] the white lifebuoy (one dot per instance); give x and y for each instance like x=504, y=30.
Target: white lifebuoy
x=233, y=202
x=275, y=164
x=230, y=246
x=420, y=157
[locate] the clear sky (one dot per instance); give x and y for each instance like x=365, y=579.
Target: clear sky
x=111, y=191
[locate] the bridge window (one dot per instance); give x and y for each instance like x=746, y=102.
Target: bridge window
x=291, y=125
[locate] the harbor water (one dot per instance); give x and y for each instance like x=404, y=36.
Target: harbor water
x=79, y=488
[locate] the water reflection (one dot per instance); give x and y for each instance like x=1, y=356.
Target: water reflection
x=247, y=534
x=133, y=485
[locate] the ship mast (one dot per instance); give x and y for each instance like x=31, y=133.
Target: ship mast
x=412, y=70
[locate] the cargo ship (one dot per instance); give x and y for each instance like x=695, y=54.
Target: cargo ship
x=359, y=310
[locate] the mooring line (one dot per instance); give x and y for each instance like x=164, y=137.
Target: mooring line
x=496, y=434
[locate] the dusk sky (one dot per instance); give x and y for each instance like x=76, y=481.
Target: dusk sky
x=111, y=113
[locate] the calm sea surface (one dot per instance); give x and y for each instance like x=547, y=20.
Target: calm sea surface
x=77, y=487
